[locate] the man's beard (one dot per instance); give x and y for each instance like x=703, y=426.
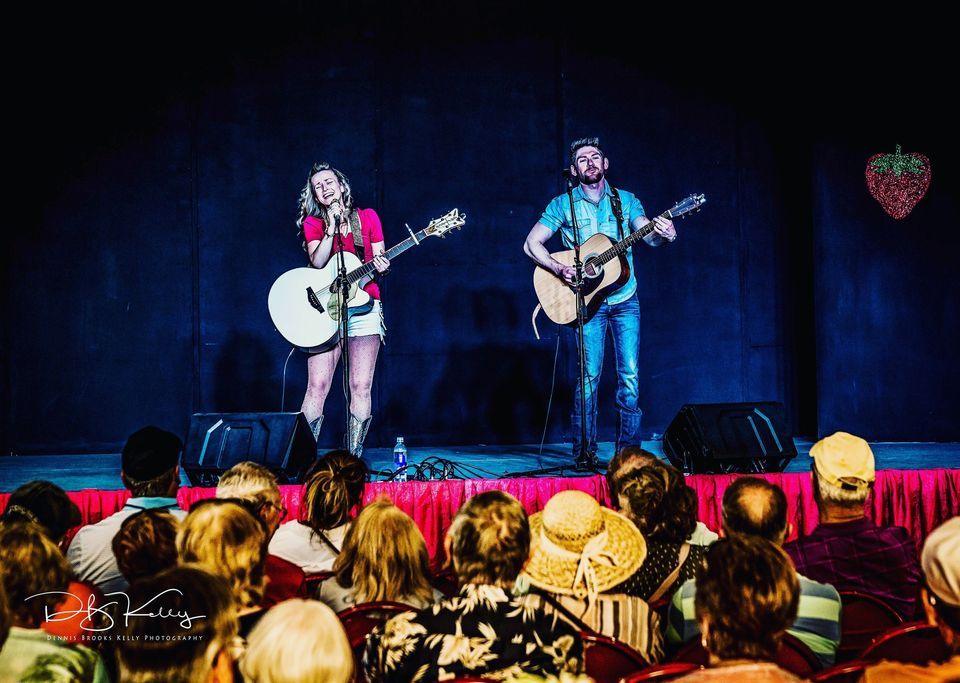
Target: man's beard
x=589, y=179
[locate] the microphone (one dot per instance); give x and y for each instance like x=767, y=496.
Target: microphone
x=567, y=174
x=337, y=210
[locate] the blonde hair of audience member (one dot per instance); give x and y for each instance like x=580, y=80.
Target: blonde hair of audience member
x=298, y=641
x=747, y=597
x=332, y=490
x=30, y=563
x=256, y=484
x=229, y=541
x=156, y=650
x=146, y=544
x=384, y=556
x=489, y=540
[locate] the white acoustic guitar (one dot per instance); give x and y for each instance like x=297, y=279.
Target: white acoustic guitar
x=605, y=269
x=305, y=303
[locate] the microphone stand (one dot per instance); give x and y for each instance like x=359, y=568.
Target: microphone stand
x=585, y=459
x=343, y=290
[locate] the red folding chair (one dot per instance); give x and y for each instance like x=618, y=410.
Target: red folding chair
x=847, y=672
x=662, y=672
x=313, y=582
x=914, y=643
x=359, y=620
x=446, y=582
x=864, y=618
x=794, y=656
x=797, y=657
x=607, y=660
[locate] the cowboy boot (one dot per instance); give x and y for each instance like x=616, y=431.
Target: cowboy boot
x=315, y=430
x=357, y=435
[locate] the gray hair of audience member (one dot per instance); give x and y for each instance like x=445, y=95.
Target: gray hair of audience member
x=489, y=539
x=747, y=597
x=826, y=492
x=249, y=481
x=298, y=641
x=152, y=650
x=755, y=507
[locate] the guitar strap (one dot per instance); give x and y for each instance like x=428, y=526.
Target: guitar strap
x=617, y=208
x=357, y=234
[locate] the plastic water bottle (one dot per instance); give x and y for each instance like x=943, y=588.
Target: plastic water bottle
x=400, y=460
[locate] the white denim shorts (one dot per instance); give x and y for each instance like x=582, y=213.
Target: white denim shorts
x=368, y=320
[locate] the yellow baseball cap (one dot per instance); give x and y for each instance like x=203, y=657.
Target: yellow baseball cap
x=844, y=460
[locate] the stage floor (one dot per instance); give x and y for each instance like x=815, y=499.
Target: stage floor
x=101, y=471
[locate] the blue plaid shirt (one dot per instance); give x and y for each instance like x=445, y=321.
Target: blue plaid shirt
x=593, y=218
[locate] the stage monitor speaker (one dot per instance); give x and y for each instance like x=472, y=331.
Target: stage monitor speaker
x=729, y=437
x=218, y=441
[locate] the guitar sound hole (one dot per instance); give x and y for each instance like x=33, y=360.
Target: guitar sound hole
x=592, y=269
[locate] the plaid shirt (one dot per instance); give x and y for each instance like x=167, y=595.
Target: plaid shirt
x=860, y=556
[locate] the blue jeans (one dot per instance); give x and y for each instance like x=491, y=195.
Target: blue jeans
x=623, y=320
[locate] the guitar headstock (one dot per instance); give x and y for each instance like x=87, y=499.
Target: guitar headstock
x=691, y=203
x=439, y=227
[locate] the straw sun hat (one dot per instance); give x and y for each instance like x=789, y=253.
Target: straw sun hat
x=579, y=548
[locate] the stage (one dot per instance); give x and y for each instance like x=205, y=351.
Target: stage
x=918, y=484
x=101, y=471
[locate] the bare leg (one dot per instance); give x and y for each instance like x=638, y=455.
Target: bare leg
x=363, y=361
x=320, y=369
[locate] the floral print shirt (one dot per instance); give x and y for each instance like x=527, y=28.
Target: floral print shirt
x=482, y=631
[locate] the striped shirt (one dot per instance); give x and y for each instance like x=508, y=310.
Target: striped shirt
x=817, y=624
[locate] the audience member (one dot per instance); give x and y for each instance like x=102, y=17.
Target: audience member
x=330, y=493
x=298, y=641
x=384, y=557
x=257, y=486
x=627, y=461
x=34, y=575
x=579, y=550
x=150, y=470
x=226, y=539
x=146, y=544
x=484, y=630
x=664, y=509
x=848, y=550
x=940, y=561
x=754, y=507
x=746, y=599
x=192, y=649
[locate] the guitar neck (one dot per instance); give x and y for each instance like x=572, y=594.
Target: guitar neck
x=368, y=268
x=628, y=241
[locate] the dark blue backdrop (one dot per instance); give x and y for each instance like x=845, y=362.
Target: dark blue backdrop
x=158, y=169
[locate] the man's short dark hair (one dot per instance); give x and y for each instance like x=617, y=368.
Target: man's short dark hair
x=755, y=507
x=583, y=142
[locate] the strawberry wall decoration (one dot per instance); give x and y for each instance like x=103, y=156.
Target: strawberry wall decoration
x=898, y=181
